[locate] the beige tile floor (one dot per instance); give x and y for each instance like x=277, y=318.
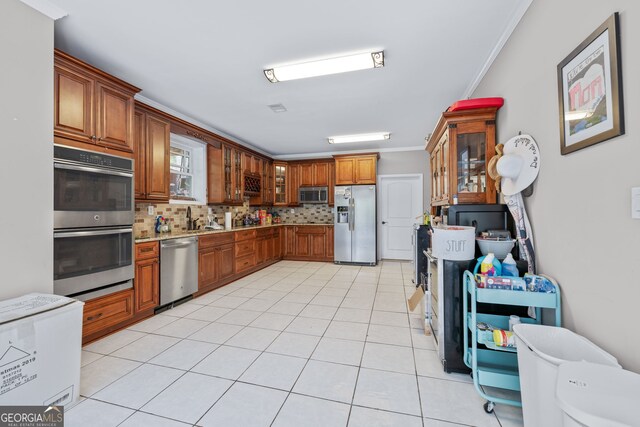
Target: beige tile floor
x=295, y=344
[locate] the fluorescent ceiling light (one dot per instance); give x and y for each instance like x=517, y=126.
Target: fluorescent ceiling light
x=362, y=137
x=342, y=64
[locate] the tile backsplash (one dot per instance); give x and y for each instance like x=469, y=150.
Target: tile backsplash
x=177, y=215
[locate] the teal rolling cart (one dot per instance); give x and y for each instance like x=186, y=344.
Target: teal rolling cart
x=492, y=365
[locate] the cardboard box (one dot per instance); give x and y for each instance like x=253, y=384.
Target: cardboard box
x=40, y=348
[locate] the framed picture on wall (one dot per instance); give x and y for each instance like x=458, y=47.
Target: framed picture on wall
x=590, y=90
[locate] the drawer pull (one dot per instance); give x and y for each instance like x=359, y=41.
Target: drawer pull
x=97, y=316
x=147, y=249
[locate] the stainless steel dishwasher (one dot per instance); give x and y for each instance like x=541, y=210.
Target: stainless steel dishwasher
x=178, y=269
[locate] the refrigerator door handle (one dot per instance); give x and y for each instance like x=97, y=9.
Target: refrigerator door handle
x=352, y=213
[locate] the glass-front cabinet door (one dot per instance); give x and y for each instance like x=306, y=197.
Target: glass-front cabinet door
x=461, y=146
x=228, y=173
x=445, y=165
x=237, y=160
x=280, y=184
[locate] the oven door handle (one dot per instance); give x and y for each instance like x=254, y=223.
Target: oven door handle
x=91, y=233
x=91, y=169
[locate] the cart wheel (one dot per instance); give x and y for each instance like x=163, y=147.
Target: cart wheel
x=488, y=407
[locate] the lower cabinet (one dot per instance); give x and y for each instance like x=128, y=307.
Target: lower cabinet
x=215, y=260
x=103, y=315
x=147, y=284
x=309, y=242
x=222, y=258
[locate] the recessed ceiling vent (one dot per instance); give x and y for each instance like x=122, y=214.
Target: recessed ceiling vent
x=277, y=108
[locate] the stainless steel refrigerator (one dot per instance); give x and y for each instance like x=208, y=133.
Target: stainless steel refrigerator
x=355, y=225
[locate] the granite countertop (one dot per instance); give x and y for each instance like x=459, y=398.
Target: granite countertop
x=175, y=235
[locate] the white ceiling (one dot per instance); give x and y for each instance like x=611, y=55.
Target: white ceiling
x=205, y=59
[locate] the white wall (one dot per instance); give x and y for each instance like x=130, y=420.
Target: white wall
x=407, y=162
x=580, y=210
x=26, y=172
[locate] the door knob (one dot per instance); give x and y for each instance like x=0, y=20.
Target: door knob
x=384, y=222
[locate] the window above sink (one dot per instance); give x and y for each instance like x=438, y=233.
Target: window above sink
x=187, y=165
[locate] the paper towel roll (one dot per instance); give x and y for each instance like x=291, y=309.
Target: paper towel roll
x=227, y=221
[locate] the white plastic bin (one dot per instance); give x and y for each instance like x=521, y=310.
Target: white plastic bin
x=597, y=395
x=541, y=349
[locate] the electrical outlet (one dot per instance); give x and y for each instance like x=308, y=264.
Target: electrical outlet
x=210, y=211
x=293, y=211
x=151, y=210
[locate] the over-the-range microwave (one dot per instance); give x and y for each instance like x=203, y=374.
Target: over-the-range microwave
x=313, y=195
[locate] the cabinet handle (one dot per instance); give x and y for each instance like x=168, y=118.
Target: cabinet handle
x=100, y=139
x=147, y=249
x=97, y=316
x=93, y=137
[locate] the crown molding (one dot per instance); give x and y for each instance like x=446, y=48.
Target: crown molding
x=329, y=154
x=198, y=123
x=46, y=8
x=511, y=26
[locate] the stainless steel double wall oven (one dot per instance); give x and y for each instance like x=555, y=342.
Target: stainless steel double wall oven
x=93, y=223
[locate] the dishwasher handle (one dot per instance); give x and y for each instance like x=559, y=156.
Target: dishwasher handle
x=178, y=243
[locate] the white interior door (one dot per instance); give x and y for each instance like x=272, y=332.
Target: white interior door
x=399, y=204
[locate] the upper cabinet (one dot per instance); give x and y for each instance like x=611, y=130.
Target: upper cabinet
x=460, y=148
x=152, y=144
x=225, y=175
x=356, y=169
x=320, y=171
x=91, y=107
x=281, y=187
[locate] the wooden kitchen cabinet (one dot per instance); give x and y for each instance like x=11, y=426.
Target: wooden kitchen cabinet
x=320, y=171
x=91, y=107
x=281, y=187
x=294, y=184
x=305, y=174
x=332, y=180
x=267, y=182
x=215, y=260
x=152, y=145
x=356, y=169
x=459, y=149
x=146, y=283
x=105, y=314
x=224, y=175
x=308, y=242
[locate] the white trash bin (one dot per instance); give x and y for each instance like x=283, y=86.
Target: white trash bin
x=541, y=349
x=597, y=395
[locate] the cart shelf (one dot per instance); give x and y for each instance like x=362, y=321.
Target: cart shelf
x=492, y=365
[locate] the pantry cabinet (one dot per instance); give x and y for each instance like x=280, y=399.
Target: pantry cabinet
x=92, y=109
x=459, y=149
x=152, y=144
x=356, y=169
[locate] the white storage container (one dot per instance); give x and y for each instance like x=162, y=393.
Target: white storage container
x=597, y=395
x=541, y=349
x=455, y=243
x=40, y=347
